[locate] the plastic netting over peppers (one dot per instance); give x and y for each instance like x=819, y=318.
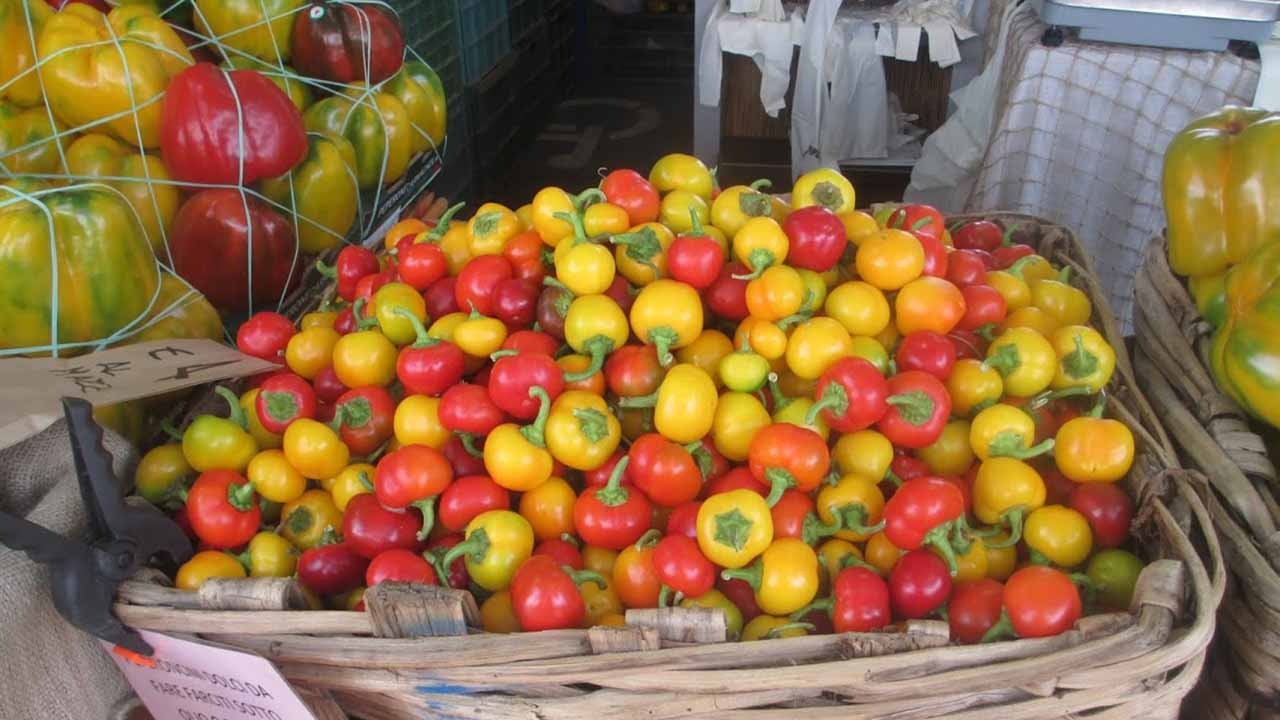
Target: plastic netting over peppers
x=152, y=154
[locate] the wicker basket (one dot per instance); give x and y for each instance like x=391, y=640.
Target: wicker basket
x=1138, y=664
x=1216, y=437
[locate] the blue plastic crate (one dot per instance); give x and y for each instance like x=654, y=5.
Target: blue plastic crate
x=484, y=35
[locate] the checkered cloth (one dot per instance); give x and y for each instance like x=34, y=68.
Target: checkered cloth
x=1080, y=136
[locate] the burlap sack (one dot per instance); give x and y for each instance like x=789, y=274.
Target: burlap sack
x=49, y=669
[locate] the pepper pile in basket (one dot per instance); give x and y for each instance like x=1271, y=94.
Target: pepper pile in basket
x=657, y=392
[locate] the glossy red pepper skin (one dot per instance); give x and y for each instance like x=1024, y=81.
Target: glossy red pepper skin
x=695, y=260
x=1007, y=255
x=478, y=280
x=739, y=478
x=633, y=370
x=369, y=284
x=331, y=569
x=468, y=408
x=215, y=518
x=974, y=607
x=1041, y=601
x=369, y=529
x=614, y=515
x=512, y=376
x=411, y=474
x=420, y=264
x=283, y=398
x=347, y=42
x=353, y=263
x=978, y=235
x=852, y=392
x=861, y=601
x=681, y=566
x=740, y=593
x=967, y=344
x=458, y=578
x=399, y=565
x=968, y=267
x=515, y=302
x=920, y=220
x=463, y=462
x=621, y=292
x=788, y=456
x=327, y=386
x=919, y=407
x=600, y=476
x=545, y=597
x=918, y=585
x=367, y=418
x=533, y=342
x=265, y=335
x=817, y=238
x=983, y=306
x=664, y=471
x=562, y=551
x=727, y=296
x=936, y=258
x=467, y=497
x=920, y=506
x=632, y=192
x=440, y=297
x=928, y=352
x=212, y=134
x=789, y=514
x=553, y=304
x=684, y=518
x=1108, y=509
x=430, y=369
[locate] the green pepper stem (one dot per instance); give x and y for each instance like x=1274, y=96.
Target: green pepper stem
x=639, y=401
x=1001, y=630
x=569, y=538
x=892, y=477
x=986, y=332
x=550, y=281
x=663, y=338
x=814, y=529
x=499, y=354
x=648, y=539
x=1016, y=268
x=246, y=561
x=695, y=224
x=1079, y=363
x=1064, y=275
x=329, y=536
x=237, y=414
x=535, y=432
x=167, y=427
x=761, y=184
x=825, y=604
x=854, y=517
x=587, y=198
x=442, y=225
x=474, y=547
x=327, y=271
x=664, y=595
x=1038, y=401
x=1006, y=238
x=1035, y=557
x=585, y=576
x=758, y=260
x=751, y=574
x=575, y=220
x=834, y=398
x=1087, y=587
x=240, y=496
x=468, y=441
x=780, y=480
x=1099, y=406
x=776, y=633
x=851, y=560
x=1014, y=448
x=613, y=494
x=1013, y=518
x=598, y=346
x=339, y=418
x=365, y=482
x=939, y=537
x=922, y=222
x=914, y=406
x=428, y=508
x=779, y=400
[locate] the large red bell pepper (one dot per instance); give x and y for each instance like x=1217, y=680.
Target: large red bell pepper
x=204, y=136
x=332, y=40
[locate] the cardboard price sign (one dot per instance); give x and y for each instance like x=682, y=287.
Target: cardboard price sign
x=187, y=680
x=31, y=390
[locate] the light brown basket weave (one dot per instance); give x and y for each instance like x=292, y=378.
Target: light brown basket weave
x=1137, y=664
x=1217, y=437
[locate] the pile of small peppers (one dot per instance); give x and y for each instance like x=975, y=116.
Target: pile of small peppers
x=656, y=392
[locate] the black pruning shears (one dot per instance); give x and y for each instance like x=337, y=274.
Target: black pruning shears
x=122, y=538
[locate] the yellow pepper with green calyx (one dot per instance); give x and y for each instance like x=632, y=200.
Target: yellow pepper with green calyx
x=27, y=144
x=324, y=194
x=148, y=191
x=1245, y=353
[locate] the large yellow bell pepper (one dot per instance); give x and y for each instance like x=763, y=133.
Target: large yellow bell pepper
x=261, y=28
x=26, y=140
x=99, y=156
x=324, y=194
x=1222, y=189
x=20, y=22
x=106, y=273
x=179, y=312
x=1245, y=353
x=87, y=82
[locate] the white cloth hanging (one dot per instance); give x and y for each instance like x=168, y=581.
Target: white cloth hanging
x=855, y=117
x=768, y=42
x=807, y=104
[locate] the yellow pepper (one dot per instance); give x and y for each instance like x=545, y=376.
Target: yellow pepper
x=262, y=28
x=1085, y=358
x=784, y=577
x=1025, y=359
x=707, y=351
x=376, y=124
x=417, y=422
x=734, y=206
x=641, y=254
x=322, y=190
x=950, y=454
x=490, y=228
x=305, y=521
x=825, y=187
x=27, y=142
x=860, y=307
x=205, y=565
x=594, y=326
x=668, y=315
x=851, y=509
x=739, y=416
x=497, y=543
x=761, y=243
x=581, y=431
x=684, y=404
x=270, y=555
x=865, y=452
x=734, y=527
x=17, y=75
x=517, y=457
x=678, y=171
x=815, y=345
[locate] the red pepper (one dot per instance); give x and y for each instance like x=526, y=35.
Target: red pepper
x=984, y=307
x=458, y=578
x=786, y=456
x=512, y=376
x=633, y=371
x=515, y=301
x=461, y=459
x=711, y=463
x=524, y=251
x=331, y=569
x=727, y=296
x=420, y=264
x=1039, y=601
x=683, y=519
x=210, y=242
x=682, y=567
x=739, y=478
x=545, y=597
x=468, y=409
x=630, y=191
x=370, y=529
x=228, y=127
x=600, y=476
x=369, y=284
x=265, y=335
x=327, y=386
x=553, y=305
x=430, y=365
x=1107, y=508
x=367, y=418
x=926, y=351
x=918, y=585
x=347, y=42
x=926, y=511
x=345, y=322
x=399, y=565
x=469, y=496
x=859, y=601
x=564, y=552
x=850, y=395
x=695, y=258
x=919, y=220
x=612, y=516
x=440, y=297
x=918, y=409
x=974, y=607
x=936, y=258
x=967, y=344
x=978, y=235
x=790, y=514
x=817, y=238
x=533, y=342
x=740, y=593
x=664, y=471
x=413, y=476
x=223, y=509
x=968, y=267
x=1005, y=256
x=353, y=263
x=621, y=292
x=477, y=281
x=284, y=397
